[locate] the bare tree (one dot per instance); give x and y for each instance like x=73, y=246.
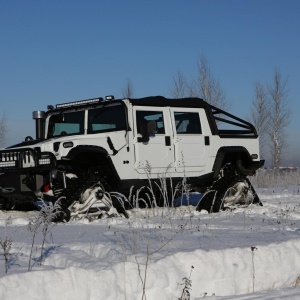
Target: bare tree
x=3, y=130
x=128, y=90
x=180, y=86
x=280, y=116
x=260, y=115
x=207, y=87
x=204, y=86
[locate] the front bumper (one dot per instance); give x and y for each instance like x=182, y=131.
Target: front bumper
x=25, y=160
x=22, y=171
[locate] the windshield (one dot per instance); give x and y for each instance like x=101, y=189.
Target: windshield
x=102, y=119
x=68, y=123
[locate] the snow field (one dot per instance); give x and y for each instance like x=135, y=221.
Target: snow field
x=233, y=254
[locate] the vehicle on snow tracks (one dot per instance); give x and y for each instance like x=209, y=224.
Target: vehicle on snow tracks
x=91, y=155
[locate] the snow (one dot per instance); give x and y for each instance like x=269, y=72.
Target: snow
x=248, y=253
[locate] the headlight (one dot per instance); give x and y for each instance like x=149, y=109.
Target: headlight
x=5, y=164
x=44, y=161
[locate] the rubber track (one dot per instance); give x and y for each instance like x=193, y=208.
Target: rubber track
x=256, y=199
x=212, y=201
x=84, y=180
x=72, y=192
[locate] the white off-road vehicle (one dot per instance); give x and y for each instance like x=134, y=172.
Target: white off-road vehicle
x=85, y=149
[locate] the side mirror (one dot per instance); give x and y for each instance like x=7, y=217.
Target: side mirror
x=148, y=127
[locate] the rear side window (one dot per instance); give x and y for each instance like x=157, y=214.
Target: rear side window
x=187, y=123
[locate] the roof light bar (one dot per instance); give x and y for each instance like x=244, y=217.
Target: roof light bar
x=81, y=102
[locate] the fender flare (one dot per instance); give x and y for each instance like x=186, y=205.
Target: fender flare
x=241, y=155
x=86, y=149
x=110, y=169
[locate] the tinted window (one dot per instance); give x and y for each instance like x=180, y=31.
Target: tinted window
x=107, y=119
x=187, y=123
x=66, y=124
x=143, y=117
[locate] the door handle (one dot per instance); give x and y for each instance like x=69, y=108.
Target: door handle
x=167, y=140
x=206, y=141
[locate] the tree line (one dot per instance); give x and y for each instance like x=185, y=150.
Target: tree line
x=270, y=112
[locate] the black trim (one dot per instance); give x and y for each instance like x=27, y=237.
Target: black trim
x=56, y=146
x=167, y=140
x=248, y=132
x=236, y=135
x=111, y=146
x=250, y=169
x=163, y=102
x=85, y=148
x=206, y=140
x=102, y=159
x=225, y=151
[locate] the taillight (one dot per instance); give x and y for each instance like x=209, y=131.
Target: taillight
x=46, y=188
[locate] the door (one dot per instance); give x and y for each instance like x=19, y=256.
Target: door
x=189, y=142
x=156, y=155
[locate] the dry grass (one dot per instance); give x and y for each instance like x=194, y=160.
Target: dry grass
x=270, y=178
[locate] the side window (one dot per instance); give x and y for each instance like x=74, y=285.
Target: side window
x=187, y=123
x=143, y=117
x=106, y=119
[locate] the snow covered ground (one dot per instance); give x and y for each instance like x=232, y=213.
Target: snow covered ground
x=247, y=253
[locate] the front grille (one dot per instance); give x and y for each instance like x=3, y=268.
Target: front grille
x=17, y=159
x=24, y=159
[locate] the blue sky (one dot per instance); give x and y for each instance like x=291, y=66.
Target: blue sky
x=59, y=51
